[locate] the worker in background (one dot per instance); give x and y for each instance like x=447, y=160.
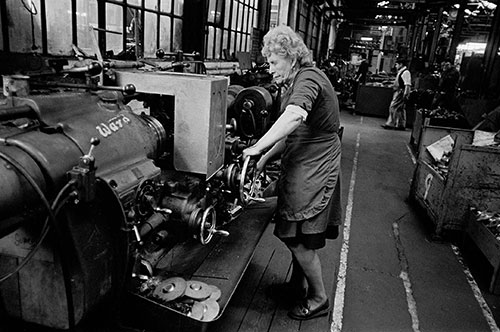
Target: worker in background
x=361, y=74
x=448, y=85
x=306, y=137
x=402, y=86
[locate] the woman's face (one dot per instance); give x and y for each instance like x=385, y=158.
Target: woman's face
x=280, y=67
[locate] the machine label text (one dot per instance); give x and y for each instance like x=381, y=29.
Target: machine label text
x=114, y=124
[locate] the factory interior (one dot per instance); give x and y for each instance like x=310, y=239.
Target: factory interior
x=128, y=204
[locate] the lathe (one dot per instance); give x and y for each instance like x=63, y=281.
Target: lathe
x=100, y=184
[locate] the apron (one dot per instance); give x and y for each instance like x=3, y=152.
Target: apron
x=310, y=167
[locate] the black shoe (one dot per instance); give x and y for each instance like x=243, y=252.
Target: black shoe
x=302, y=311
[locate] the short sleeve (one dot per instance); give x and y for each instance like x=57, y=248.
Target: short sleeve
x=305, y=91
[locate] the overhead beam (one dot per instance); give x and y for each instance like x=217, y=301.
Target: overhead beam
x=379, y=22
x=367, y=12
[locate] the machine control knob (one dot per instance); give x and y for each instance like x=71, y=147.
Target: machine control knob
x=94, y=141
x=160, y=53
x=94, y=68
x=129, y=89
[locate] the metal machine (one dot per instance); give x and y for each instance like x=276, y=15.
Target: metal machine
x=99, y=183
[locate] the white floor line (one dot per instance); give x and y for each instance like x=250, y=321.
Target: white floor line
x=410, y=299
x=412, y=156
x=476, y=291
x=338, y=308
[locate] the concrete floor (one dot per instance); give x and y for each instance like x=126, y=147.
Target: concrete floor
x=390, y=245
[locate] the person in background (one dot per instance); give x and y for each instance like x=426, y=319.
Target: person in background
x=402, y=85
x=447, y=88
x=306, y=138
x=361, y=74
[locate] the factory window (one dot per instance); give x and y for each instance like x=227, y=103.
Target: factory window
x=127, y=29
x=309, y=19
x=230, y=26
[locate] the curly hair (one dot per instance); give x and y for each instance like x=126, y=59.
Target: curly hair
x=284, y=41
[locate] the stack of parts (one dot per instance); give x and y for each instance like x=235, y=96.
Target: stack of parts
x=192, y=298
x=489, y=219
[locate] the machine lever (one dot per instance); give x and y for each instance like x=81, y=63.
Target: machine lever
x=220, y=232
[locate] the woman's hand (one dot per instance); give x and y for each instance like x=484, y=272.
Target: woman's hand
x=252, y=151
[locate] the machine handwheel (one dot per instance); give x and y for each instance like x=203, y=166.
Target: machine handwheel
x=247, y=182
x=207, y=225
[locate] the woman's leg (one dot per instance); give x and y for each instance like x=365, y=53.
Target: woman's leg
x=308, y=260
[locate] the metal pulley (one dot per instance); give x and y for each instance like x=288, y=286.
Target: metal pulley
x=251, y=111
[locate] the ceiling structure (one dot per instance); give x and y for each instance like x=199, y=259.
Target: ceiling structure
x=398, y=12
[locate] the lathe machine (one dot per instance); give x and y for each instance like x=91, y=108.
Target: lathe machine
x=99, y=184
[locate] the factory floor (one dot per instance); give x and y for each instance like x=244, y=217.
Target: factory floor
x=385, y=273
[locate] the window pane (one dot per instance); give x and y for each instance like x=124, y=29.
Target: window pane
x=166, y=6
x=225, y=39
x=135, y=2
x=165, y=33
x=218, y=38
x=86, y=16
x=232, y=49
x=150, y=31
x=238, y=42
x=210, y=42
x=59, y=37
x=114, y=22
x=177, y=41
x=240, y=17
x=234, y=17
x=178, y=7
x=20, y=18
x=227, y=13
x=151, y=4
x=255, y=20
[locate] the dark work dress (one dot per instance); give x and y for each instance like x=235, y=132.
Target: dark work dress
x=310, y=163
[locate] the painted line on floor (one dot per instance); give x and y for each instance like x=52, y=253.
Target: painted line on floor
x=405, y=276
x=476, y=291
x=338, y=308
x=412, y=155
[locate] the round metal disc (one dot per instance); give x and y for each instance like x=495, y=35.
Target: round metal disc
x=211, y=310
x=170, y=289
x=197, y=310
x=197, y=290
x=215, y=293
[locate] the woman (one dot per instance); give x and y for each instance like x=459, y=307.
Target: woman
x=306, y=137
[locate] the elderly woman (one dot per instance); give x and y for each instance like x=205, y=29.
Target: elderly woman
x=306, y=137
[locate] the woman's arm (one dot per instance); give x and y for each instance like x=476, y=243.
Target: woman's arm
x=291, y=118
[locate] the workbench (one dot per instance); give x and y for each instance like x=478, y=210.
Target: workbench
x=473, y=179
x=222, y=263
